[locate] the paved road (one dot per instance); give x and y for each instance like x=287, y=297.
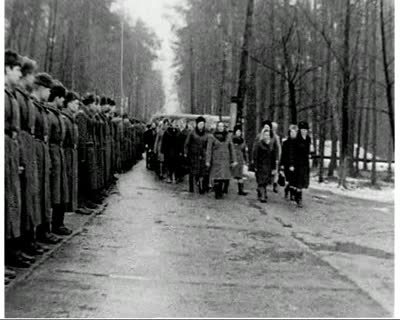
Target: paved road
x=158, y=251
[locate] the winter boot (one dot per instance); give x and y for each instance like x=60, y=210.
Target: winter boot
x=299, y=199
x=287, y=190
x=263, y=198
x=241, y=191
x=225, y=186
x=275, y=187
x=191, y=183
x=292, y=192
x=218, y=189
x=205, y=185
x=258, y=193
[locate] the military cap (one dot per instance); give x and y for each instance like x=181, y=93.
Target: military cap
x=29, y=66
x=12, y=59
x=44, y=79
x=88, y=99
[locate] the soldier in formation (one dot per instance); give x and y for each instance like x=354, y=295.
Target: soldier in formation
x=61, y=154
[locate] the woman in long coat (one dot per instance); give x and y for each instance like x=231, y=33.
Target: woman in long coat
x=288, y=160
x=265, y=155
x=220, y=157
x=241, y=152
x=302, y=163
x=170, y=150
x=195, y=151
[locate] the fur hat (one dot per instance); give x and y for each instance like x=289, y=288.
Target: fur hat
x=104, y=101
x=237, y=127
x=89, y=98
x=70, y=96
x=200, y=119
x=12, y=59
x=44, y=79
x=57, y=91
x=29, y=66
x=303, y=125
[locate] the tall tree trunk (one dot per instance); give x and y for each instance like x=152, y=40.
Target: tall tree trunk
x=192, y=76
x=53, y=36
x=346, y=74
x=373, y=102
x=363, y=99
x=389, y=82
x=37, y=13
x=244, y=60
x=251, y=106
x=292, y=101
x=14, y=23
x=48, y=38
x=272, y=75
x=325, y=106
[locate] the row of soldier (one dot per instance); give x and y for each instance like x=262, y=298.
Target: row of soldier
x=61, y=154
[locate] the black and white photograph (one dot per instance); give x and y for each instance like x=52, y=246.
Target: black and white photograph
x=199, y=159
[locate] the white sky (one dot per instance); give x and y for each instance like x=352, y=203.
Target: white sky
x=154, y=13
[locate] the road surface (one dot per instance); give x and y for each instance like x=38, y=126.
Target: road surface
x=158, y=251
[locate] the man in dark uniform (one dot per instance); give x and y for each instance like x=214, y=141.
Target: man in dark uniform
x=91, y=151
x=69, y=111
x=118, y=133
x=30, y=214
x=40, y=95
x=105, y=113
x=85, y=156
x=12, y=189
x=58, y=178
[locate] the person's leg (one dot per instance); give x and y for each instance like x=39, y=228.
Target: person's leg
x=225, y=184
x=299, y=198
x=191, y=183
x=218, y=189
x=241, y=191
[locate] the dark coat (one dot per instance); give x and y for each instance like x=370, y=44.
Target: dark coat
x=220, y=155
x=170, y=146
x=150, y=138
x=91, y=151
x=43, y=161
x=58, y=176
x=264, y=157
x=288, y=158
x=12, y=188
x=241, y=156
x=195, y=149
x=30, y=213
x=71, y=158
x=302, y=163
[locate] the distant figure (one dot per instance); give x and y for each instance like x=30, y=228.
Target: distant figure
x=163, y=125
x=241, y=151
x=302, y=164
x=265, y=154
x=278, y=142
x=149, y=141
x=220, y=157
x=170, y=149
x=288, y=159
x=195, y=151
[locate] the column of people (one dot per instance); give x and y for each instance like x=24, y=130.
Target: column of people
x=211, y=158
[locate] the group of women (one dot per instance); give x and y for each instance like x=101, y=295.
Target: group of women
x=213, y=157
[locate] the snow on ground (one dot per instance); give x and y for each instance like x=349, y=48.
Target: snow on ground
x=357, y=188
